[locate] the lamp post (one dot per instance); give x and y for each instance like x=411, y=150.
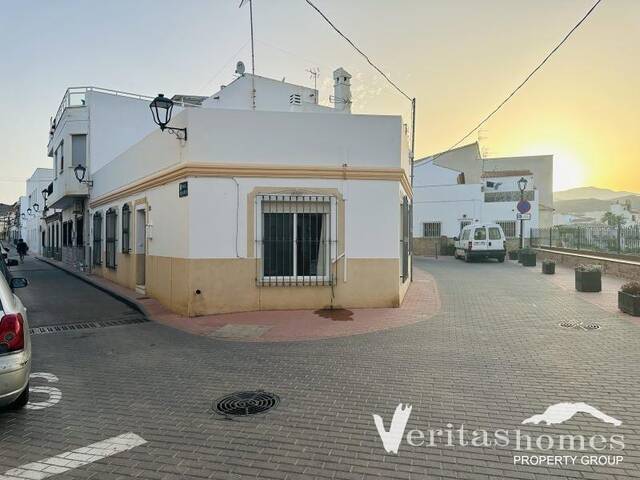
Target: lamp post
x=36, y=207
x=80, y=172
x=522, y=185
x=161, y=110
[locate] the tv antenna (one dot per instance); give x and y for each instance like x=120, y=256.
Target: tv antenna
x=313, y=74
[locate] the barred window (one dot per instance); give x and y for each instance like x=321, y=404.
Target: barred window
x=97, y=238
x=296, y=238
x=126, y=228
x=110, y=234
x=464, y=223
x=508, y=227
x=431, y=229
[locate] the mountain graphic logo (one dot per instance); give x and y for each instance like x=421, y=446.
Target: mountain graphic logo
x=561, y=412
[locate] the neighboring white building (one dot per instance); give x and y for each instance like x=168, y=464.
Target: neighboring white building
x=91, y=127
x=31, y=223
x=264, y=208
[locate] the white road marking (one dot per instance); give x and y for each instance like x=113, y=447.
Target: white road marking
x=76, y=458
x=54, y=394
x=54, y=397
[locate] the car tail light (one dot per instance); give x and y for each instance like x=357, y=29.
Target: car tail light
x=470, y=245
x=11, y=333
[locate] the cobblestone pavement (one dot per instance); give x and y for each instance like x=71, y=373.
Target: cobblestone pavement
x=492, y=357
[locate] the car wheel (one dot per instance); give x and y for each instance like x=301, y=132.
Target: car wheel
x=501, y=259
x=22, y=400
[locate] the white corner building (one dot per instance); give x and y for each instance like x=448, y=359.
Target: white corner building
x=272, y=202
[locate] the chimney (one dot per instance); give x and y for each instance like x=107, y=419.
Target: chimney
x=342, y=90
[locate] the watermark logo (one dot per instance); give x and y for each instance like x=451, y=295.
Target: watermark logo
x=391, y=439
x=561, y=412
x=607, y=448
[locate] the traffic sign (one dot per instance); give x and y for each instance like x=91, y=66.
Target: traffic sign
x=523, y=216
x=523, y=206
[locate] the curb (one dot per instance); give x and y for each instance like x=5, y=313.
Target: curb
x=83, y=277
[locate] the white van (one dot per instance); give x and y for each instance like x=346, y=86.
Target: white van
x=481, y=240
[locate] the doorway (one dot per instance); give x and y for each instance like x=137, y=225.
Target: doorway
x=140, y=252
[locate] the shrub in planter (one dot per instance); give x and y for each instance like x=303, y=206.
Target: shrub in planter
x=589, y=278
x=513, y=254
x=629, y=298
x=527, y=257
x=548, y=267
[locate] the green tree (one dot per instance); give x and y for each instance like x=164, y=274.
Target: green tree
x=612, y=219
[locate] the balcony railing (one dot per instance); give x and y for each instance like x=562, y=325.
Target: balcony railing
x=77, y=97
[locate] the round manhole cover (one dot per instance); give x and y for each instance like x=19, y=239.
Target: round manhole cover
x=240, y=404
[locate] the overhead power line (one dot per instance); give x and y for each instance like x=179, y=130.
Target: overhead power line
x=357, y=49
x=535, y=70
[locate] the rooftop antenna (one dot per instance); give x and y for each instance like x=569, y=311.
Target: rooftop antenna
x=253, y=57
x=313, y=74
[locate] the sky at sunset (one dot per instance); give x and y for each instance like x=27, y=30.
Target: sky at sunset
x=460, y=58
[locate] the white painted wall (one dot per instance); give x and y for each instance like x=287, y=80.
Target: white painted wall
x=271, y=95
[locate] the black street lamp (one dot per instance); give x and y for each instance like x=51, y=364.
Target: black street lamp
x=36, y=207
x=522, y=185
x=29, y=211
x=161, y=110
x=80, y=172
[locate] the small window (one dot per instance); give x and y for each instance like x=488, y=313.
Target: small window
x=465, y=235
x=431, y=229
x=494, y=233
x=97, y=238
x=126, y=228
x=480, y=234
x=110, y=236
x=464, y=223
x=61, y=156
x=78, y=150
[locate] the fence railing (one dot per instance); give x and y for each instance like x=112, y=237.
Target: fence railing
x=623, y=240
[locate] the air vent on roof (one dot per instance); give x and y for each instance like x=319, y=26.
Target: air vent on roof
x=295, y=99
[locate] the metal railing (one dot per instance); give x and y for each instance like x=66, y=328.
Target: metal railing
x=77, y=97
x=621, y=240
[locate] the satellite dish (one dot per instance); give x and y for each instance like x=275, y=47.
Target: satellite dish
x=240, y=68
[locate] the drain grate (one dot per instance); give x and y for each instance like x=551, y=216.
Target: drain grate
x=580, y=325
x=85, y=325
x=241, y=404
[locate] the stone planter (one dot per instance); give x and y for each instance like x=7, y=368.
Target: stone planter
x=588, y=281
x=528, y=259
x=548, y=268
x=629, y=303
x=513, y=255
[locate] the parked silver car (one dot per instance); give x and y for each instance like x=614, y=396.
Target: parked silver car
x=15, y=343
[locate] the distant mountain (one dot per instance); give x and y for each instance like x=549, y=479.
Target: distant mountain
x=593, y=204
x=583, y=193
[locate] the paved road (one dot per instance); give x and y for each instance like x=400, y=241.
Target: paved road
x=56, y=298
x=494, y=356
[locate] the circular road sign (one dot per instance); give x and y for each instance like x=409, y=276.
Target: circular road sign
x=523, y=206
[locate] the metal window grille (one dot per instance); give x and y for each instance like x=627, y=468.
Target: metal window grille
x=404, y=237
x=464, y=223
x=126, y=228
x=296, y=239
x=110, y=234
x=508, y=227
x=432, y=229
x=97, y=238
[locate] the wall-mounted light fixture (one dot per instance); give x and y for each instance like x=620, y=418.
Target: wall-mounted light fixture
x=80, y=172
x=161, y=109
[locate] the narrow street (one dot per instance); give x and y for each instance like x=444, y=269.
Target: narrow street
x=492, y=357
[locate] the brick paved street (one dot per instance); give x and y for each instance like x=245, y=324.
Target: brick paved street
x=493, y=356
